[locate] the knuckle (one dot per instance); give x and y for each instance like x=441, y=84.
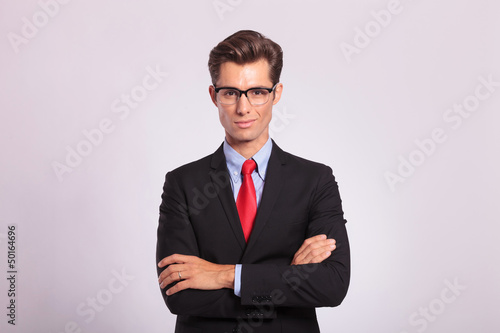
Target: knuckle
x=315, y=260
x=314, y=246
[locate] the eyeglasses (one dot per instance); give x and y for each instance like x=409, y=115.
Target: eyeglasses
x=256, y=96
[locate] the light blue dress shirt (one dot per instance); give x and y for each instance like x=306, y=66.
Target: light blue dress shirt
x=234, y=163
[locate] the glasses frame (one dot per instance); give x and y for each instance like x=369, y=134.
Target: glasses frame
x=244, y=92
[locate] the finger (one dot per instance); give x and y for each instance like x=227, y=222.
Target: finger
x=174, y=259
x=320, y=252
x=168, y=279
x=178, y=287
x=314, y=246
x=167, y=271
x=315, y=255
x=327, y=243
x=308, y=242
x=165, y=261
x=321, y=257
x=172, y=274
x=311, y=240
x=174, y=277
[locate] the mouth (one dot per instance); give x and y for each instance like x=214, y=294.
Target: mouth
x=244, y=124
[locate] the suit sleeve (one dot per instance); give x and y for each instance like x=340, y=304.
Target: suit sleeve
x=176, y=235
x=311, y=285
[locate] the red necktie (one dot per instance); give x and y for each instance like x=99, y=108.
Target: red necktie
x=247, y=201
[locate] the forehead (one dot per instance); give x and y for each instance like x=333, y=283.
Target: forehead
x=244, y=76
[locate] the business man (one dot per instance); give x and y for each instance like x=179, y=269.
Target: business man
x=250, y=238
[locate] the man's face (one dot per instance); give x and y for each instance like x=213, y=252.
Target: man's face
x=243, y=122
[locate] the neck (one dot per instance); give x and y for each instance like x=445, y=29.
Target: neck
x=247, y=149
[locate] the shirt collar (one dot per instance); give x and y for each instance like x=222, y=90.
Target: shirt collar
x=235, y=161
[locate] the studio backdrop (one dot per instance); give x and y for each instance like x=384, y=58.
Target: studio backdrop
x=100, y=99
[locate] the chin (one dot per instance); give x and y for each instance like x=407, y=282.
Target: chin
x=243, y=135
x=248, y=135
x=245, y=139
x=242, y=138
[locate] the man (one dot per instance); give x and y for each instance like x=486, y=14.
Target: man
x=250, y=238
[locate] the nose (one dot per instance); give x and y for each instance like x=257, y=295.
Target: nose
x=243, y=105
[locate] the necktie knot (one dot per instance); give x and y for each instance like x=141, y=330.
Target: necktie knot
x=248, y=167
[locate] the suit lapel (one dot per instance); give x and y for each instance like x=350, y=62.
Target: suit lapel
x=221, y=181
x=272, y=188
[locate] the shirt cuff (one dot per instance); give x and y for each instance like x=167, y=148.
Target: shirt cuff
x=237, y=280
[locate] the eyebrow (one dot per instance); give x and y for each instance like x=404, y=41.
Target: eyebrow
x=256, y=87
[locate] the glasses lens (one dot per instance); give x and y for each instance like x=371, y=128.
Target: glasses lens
x=228, y=96
x=258, y=96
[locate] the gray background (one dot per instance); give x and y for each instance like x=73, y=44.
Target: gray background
x=361, y=113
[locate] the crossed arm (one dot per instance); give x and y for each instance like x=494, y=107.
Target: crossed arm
x=314, y=277
x=192, y=272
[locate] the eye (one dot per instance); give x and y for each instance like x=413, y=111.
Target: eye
x=229, y=92
x=259, y=92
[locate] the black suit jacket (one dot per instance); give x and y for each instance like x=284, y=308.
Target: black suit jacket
x=198, y=216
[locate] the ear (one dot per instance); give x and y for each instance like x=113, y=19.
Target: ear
x=211, y=91
x=277, y=93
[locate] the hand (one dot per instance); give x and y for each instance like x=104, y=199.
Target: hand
x=314, y=250
x=194, y=273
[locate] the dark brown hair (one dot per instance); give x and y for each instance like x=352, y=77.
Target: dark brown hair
x=243, y=47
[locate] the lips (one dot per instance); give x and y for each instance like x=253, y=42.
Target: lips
x=245, y=124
